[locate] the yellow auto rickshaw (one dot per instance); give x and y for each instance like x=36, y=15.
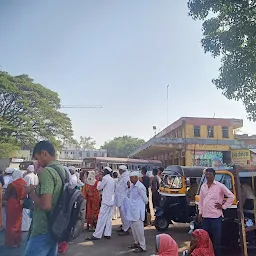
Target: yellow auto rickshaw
x=177, y=192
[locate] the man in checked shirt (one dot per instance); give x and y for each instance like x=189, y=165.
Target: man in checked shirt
x=211, y=206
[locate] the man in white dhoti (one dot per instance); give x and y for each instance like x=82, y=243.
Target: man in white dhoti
x=135, y=211
x=120, y=194
x=31, y=179
x=107, y=184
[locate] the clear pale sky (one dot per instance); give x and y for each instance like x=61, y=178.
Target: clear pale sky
x=120, y=54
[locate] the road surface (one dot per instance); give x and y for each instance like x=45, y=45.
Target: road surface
x=119, y=245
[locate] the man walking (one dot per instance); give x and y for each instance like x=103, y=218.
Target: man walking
x=146, y=182
x=135, y=211
x=107, y=184
x=155, y=188
x=211, y=206
x=120, y=194
x=45, y=197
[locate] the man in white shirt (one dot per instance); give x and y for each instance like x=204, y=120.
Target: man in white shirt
x=120, y=194
x=7, y=180
x=31, y=179
x=73, y=178
x=135, y=211
x=107, y=184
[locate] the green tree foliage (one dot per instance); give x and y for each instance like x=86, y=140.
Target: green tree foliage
x=229, y=31
x=87, y=143
x=29, y=112
x=122, y=146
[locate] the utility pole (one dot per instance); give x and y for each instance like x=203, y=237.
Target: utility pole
x=167, y=104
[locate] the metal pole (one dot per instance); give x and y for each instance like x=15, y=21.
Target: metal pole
x=240, y=213
x=168, y=104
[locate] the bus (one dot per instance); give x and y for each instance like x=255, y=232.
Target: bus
x=92, y=163
x=75, y=163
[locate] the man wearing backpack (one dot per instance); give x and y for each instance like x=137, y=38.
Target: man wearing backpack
x=107, y=184
x=45, y=197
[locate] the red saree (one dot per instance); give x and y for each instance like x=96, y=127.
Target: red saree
x=91, y=194
x=15, y=195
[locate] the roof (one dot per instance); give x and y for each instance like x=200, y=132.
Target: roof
x=125, y=160
x=187, y=171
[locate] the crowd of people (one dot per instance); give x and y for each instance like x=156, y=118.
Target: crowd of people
x=108, y=195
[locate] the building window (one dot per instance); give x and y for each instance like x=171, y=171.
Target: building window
x=95, y=154
x=225, y=132
x=196, y=131
x=88, y=154
x=210, y=131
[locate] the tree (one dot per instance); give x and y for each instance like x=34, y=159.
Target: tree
x=122, y=146
x=229, y=30
x=87, y=143
x=29, y=112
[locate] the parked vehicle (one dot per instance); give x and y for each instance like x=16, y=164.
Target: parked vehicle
x=174, y=203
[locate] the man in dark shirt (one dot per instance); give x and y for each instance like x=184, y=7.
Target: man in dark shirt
x=146, y=182
x=155, y=188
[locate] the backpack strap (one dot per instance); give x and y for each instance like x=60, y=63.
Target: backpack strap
x=60, y=172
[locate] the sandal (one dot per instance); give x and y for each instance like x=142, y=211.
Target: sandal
x=139, y=250
x=92, y=238
x=134, y=246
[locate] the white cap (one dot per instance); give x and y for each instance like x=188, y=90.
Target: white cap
x=108, y=169
x=72, y=168
x=31, y=168
x=122, y=167
x=9, y=170
x=135, y=174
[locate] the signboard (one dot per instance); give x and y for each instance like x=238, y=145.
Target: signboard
x=206, y=158
x=240, y=156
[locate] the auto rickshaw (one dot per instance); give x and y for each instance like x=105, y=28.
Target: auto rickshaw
x=175, y=204
x=236, y=218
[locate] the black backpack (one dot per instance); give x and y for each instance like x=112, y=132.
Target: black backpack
x=67, y=219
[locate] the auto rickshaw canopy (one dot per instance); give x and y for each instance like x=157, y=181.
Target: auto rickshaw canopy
x=185, y=171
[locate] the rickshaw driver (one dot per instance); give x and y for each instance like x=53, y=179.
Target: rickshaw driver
x=211, y=206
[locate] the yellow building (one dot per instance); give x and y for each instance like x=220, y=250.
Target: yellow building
x=192, y=141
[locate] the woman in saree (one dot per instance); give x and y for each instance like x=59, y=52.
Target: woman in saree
x=14, y=196
x=166, y=246
x=201, y=244
x=92, y=196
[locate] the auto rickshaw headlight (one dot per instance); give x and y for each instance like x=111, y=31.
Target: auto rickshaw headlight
x=192, y=225
x=162, y=200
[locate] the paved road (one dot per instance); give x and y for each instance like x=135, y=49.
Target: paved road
x=119, y=245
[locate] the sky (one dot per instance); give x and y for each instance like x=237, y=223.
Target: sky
x=118, y=54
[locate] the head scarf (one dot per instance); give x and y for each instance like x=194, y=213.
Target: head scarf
x=17, y=174
x=204, y=244
x=91, y=178
x=31, y=168
x=166, y=245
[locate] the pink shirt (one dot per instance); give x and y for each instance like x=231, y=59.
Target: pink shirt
x=210, y=196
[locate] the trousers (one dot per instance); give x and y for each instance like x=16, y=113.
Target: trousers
x=41, y=245
x=138, y=233
x=125, y=222
x=214, y=229
x=104, y=221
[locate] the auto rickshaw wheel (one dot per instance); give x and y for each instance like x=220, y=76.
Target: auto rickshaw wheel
x=161, y=223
